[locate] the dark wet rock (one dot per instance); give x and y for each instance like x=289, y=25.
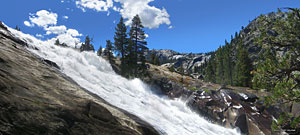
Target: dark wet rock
x=167, y=86
x=248, y=97
x=230, y=109
x=51, y=63
x=2, y=61
x=241, y=122
x=170, y=88
x=2, y=26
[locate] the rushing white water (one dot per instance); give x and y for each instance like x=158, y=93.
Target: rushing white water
x=93, y=73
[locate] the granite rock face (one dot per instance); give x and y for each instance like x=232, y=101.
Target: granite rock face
x=35, y=98
x=171, y=59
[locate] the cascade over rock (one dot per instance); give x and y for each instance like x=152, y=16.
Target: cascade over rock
x=97, y=76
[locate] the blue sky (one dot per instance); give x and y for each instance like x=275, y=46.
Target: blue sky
x=181, y=25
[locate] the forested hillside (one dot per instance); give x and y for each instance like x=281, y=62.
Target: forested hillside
x=264, y=55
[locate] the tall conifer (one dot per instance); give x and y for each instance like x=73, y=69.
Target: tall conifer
x=121, y=43
x=219, y=66
x=99, y=52
x=243, y=67
x=109, y=51
x=138, y=44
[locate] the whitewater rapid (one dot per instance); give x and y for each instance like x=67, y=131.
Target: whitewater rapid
x=93, y=73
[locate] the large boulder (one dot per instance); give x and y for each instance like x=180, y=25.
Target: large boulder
x=234, y=109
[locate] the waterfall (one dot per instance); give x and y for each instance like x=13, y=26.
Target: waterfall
x=96, y=75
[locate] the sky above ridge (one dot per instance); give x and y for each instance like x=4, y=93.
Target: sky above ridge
x=181, y=25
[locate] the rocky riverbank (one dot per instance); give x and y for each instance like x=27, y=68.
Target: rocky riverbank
x=230, y=107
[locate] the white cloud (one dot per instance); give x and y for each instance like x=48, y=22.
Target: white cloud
x=116, y=9
x=151, y=16
x=39, y=35
x=73, y=32
x=146, y=35
x=170, y=27
x=28, y=24
x=66, y=17
x=98, y=5
x=56, y=30
x=43, y=18
x=48, y=21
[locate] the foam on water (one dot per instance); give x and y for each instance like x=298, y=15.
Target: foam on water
x=95, y=74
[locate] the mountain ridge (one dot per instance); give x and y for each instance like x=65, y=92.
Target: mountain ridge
x=247, y=34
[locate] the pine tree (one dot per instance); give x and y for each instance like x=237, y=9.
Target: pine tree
x=57, y=42
x=99, y=52
x=121, y=42
x=109, y=51
x=228, y=63
x=268, y=59
x=130, y=61
x=120, y=38
x=181, y=72
x=87, y=46
x=236, y=38
x=138, y=44
x=60, y=44
x=243, y=67
x=279, y=71
x=142, y=67
x=152, y=58
x=156, y=60
x=17, y=28
x=220, y=66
